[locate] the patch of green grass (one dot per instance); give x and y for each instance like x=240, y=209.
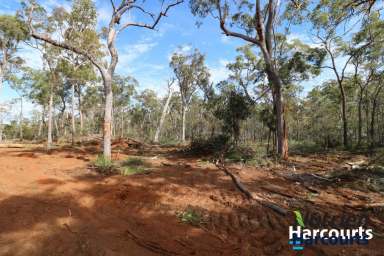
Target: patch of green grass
x=103, y=164
x=129, y=170
x=190, y=216
x=134, y=161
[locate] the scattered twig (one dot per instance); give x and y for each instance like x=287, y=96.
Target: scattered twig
x=69, y=229
x=151, y=246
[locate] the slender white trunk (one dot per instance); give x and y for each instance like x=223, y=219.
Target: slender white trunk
x=21, y=118
x=122, y=123
x=56, y=125
x=81, y=114
x=165, y=110
x=73, y=130
x=50, y=107
x=183, y=114
x=41, y=122
x=107, y=150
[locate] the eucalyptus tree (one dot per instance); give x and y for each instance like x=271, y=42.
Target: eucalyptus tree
x=334, y=22
x=191, y=74
x=120, y=20
x=76, y=73
x=36, y=87
x=371, y=37
x=12, y=32
x=165, y=110
x=124, y=89
x=257, y=23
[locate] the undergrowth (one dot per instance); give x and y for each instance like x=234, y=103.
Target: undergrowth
x=104, y=165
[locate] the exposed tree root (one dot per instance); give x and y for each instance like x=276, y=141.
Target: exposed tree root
x=240, y=186
x=151, y=246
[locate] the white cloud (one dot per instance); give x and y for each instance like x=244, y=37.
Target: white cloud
x=31, y=56
x=219, y=72
x=181, y=49
x=304, y=38
x=50, y=4
x=225, y=39
x=131, y=53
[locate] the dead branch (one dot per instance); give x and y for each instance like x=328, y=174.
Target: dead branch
x=239, y=185
x=151, y=246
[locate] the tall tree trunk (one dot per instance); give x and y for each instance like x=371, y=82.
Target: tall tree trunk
x=373, y=117
x=73, y=130
x=41, y=123
x=122, y=124
x=344, y=116
x=163, y=114
x=50, y=108
x=183, y=115
x=107, y=127
x=21, y=119
x=281, y=136
x=80, y=112
x=360, y=119
x=54, y=118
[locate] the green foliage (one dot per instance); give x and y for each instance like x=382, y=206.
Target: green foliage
x=190, y=216
x=212, y=145
x=129, y=170
x=299, y=218
x=134, y=161
x=191, y=73
x=232, y=107
x=240, y=154
x=133, y=165
x=12, y=30
x=104, y=165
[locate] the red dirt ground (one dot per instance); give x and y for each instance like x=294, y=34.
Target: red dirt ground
x=55, y=204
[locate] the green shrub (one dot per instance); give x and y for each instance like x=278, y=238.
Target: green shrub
x=134, y=161
x=240, y=154
x=129, y=170
x=103, y=164
x=190, y=216
x=211, y=145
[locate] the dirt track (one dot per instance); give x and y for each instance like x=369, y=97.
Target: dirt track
x=53, y=204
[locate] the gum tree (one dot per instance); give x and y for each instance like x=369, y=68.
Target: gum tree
x=254, y=22
x=118, y=23
x=191, y=74
x=12, y=31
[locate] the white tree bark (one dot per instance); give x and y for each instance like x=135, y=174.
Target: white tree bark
x=21, y=119
x=73, y=130
x=106, y=72
x=50, y=108
x=163, y=114
x=183, y=114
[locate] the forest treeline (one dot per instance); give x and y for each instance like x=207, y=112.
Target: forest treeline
x=262, y=102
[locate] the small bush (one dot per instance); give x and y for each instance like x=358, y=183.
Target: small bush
x=211, y=145
x=240, y=154
x=129, y=170
x=134, y=161
x=103, y=164
x=190, y=216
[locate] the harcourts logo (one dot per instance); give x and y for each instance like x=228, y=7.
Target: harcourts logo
x=300, y=235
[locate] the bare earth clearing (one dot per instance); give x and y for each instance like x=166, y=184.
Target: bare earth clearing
x=55, y=204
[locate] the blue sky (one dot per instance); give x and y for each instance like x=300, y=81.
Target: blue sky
x=145, y=54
